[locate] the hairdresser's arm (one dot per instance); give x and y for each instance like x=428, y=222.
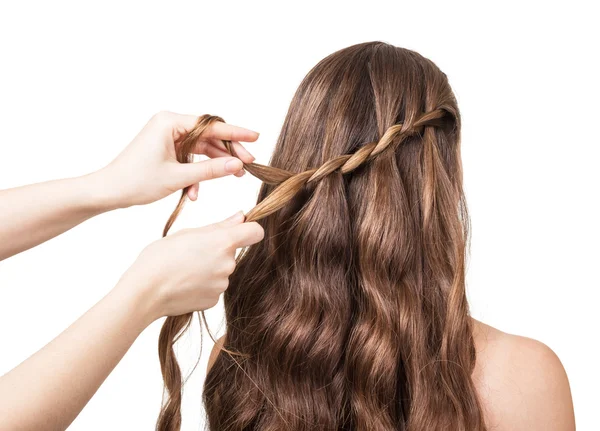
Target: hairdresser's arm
x=183, y=272
x=144, y=172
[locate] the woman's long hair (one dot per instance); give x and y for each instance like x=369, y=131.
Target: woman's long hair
x=351, y=314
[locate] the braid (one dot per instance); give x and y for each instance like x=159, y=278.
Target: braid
x=288, y=185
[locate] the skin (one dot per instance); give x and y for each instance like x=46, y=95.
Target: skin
x=38, y=212
x=186, y=271
x=521, y=382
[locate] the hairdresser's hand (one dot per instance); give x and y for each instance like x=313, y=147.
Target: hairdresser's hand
x=183, y=272
x=188, y=270
x=147, y=170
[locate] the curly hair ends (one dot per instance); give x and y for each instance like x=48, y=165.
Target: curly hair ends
x=351, y=314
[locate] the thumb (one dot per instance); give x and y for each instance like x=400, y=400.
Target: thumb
x=208, y=169
x=235, y=219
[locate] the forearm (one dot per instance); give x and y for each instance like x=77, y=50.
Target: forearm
x=33, y=214
x=48, y=390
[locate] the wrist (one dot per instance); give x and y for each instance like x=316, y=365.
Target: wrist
x=137, y=293
x=103, y=194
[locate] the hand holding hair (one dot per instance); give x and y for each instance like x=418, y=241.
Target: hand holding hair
x=175, y=275
x=183, y=272
x=145, y=171
x=188, y=270
x=148, y=169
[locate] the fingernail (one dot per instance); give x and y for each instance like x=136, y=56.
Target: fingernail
x=233, y=165
x=236, y=217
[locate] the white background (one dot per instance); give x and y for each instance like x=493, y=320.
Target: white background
x=79, y=79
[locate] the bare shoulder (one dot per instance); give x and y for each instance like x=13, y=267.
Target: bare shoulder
x=521, y=382
x=214, y=352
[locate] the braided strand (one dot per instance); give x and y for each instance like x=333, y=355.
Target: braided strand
x=289, y=184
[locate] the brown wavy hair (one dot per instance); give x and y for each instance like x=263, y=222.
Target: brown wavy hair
x=351, y=314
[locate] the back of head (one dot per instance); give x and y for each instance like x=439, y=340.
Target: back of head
x=352, y=313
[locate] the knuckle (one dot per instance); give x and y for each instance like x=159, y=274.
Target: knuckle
x=162, y=118
x=213, y=301
x=206, y=170
x=229, y=266
x=212, y=170
x=181, y=233
x=258, y=231
x=228, y=239
x=222, y=285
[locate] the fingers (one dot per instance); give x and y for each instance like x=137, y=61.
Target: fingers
x=235, y=219
x=182, y=124
x=240, y=234
x=183, y=121
x=214, y=152
x=192, y=173
x=216, y=146
x=230, y=132
x=242, y=153
x=178, y=124
x=192, y=192
x=244, y=234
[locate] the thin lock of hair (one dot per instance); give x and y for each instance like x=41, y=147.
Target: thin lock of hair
x=351, y=314
x=174, y=326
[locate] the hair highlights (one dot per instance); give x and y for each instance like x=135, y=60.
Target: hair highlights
x=351, y=313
